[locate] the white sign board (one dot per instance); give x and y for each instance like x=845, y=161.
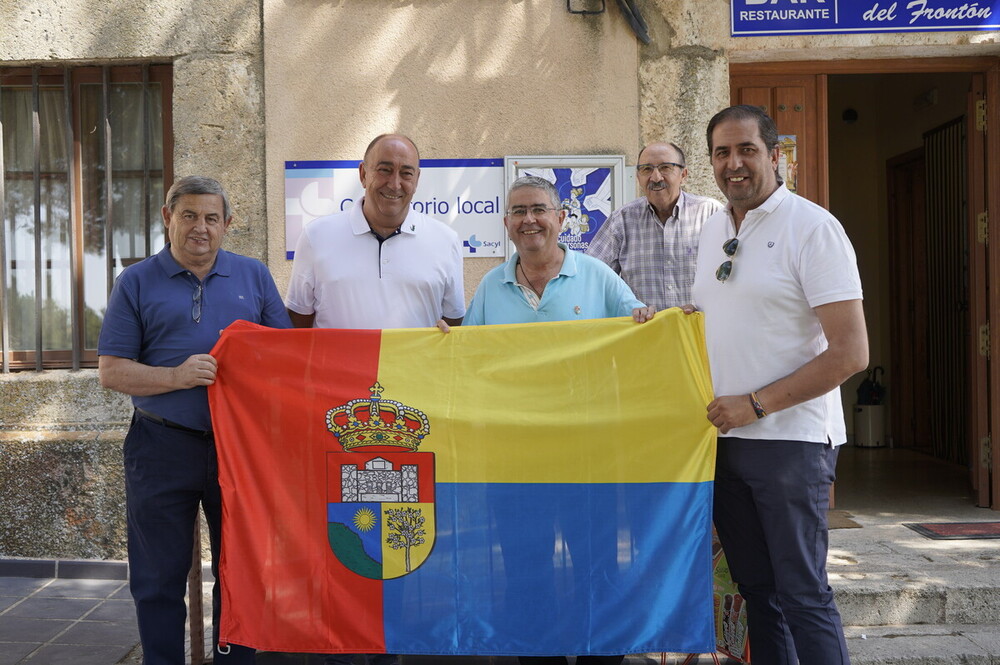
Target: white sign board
x=466, y=194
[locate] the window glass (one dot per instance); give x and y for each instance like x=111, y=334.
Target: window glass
x=69, y=257
x=51, y=240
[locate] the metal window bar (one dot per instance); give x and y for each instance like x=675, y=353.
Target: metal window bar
x=36, y=144
x=4, y=305
x=108, y=197
x=75, y=239
x=147, y=222
x=946, y=207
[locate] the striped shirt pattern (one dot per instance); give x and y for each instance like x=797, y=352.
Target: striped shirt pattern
x=657, y=260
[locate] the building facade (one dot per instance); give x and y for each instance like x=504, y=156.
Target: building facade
x=103, y=103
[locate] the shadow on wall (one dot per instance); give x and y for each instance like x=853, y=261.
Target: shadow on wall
x=85, y=30
x=499, y=84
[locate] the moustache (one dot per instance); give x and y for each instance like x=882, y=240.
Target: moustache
x=656, y=186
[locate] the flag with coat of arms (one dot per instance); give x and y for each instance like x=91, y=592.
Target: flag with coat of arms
x=526, y=489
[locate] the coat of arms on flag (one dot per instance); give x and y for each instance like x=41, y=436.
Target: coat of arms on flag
x=380, y=493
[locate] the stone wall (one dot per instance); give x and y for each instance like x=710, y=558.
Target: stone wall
x=684, y=79
x=61, y=489
x=465, y=79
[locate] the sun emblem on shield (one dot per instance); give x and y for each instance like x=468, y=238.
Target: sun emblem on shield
x=380, y=489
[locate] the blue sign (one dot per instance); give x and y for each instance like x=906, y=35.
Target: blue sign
x=752, y=18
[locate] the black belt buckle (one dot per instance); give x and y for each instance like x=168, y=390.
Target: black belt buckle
x=159, y=420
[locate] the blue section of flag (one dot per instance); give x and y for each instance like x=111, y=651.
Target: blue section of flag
x=596, y=569
x=346, y=514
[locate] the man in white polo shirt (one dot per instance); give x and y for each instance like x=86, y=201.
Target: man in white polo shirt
x=778, y=282
x=378, y=265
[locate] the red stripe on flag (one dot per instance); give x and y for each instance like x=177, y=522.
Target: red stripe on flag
x=290, y=587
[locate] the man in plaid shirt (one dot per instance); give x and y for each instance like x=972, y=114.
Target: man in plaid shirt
x=652, y=242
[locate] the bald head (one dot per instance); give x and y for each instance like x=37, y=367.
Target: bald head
x=661, y=146
x=381, y=137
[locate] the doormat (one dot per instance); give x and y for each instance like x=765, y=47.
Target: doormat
x=956, y=530
x=840, y=519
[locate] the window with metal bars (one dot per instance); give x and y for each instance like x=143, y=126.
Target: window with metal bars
x=86, y=156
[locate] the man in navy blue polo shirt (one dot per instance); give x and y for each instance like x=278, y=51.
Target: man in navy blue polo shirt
x=164, y=315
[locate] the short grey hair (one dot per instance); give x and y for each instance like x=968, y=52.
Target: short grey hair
x=537, y=183
x=198, y=184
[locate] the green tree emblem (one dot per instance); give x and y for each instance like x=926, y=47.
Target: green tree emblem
x=405, y=529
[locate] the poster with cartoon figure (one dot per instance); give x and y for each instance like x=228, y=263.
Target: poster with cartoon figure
x=590, y=189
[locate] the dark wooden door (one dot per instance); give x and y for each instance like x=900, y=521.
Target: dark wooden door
x=910, y=413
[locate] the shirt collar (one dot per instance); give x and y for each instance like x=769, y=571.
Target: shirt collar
x=359, y=225
x=765, y=208
x=675, y=214
x=568, y=265
x=169, y=265
x=775, y=199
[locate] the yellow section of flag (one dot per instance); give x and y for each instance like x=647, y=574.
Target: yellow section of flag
x=567, y=402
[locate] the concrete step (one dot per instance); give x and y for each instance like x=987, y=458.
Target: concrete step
x=939, y=644
x=885, y=574
x=968, y=601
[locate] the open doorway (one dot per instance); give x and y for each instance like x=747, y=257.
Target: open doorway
x=899, y=155
x=898, y=182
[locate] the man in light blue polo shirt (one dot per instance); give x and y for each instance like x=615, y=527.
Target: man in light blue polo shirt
x=545, y=281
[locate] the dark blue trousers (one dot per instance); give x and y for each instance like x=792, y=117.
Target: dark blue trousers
x=168, y=474
x=771, y=499
x=367, y=659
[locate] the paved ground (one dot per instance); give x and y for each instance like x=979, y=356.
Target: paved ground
x=56, y=621
x=46, y=621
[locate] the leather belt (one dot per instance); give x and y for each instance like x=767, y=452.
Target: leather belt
x=149, y=415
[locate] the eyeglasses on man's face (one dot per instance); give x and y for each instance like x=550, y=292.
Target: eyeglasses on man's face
x=520, y=212
x=726, y=269
x=665, y=169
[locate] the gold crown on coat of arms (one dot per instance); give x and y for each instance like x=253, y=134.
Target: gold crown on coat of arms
x=373, y=421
